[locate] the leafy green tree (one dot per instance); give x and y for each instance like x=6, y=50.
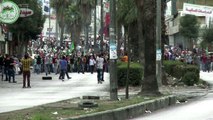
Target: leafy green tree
x=127, y=16
x=60, y=6
x=86, y=7
x=189, y=28
x=207, y=37
x=73, y=20
x=66, y=8
x=27, y=28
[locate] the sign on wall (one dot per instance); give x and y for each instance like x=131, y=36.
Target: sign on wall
x=10, y=12
x=25, y=12
x=113, y=51
x=197, y=10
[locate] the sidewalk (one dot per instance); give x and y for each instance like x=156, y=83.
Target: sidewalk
x=14, y=97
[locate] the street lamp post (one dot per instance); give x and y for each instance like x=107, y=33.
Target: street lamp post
x=102, y=27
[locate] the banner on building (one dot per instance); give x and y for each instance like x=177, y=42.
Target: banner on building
x=197, y=10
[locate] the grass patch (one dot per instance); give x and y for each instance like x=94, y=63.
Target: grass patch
x=69, y=108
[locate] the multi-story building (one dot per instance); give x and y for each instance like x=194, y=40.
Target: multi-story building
x=177, y=10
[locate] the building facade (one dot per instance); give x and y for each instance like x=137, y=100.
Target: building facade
x=199, y=8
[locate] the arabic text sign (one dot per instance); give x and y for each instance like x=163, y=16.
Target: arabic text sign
x=25, y=12
x=197, y=10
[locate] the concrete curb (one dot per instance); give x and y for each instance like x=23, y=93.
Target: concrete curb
x=129, y=111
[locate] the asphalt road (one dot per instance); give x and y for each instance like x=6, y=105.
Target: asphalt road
x=201, y=109
x=14, y=97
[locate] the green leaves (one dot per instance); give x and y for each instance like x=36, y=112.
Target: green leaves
x=30, y=26
x=127, y=11
x=189, y=26
x=208, y=35
x=72, y=14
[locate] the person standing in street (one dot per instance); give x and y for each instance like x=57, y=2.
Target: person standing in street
x=6, y=66
x=92, y=63
x=100, y=64
x=38, y=64
x=26, y=62
x=47, y=62
x=2, y=66
x=11, y=70
x=63, y=68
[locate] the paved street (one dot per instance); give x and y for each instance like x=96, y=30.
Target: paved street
x=14, y=97
x=201, y=109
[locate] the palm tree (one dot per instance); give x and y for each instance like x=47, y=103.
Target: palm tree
x=60, y=7
x=86, y=7
x=73, y=20
x=127, y=17
x=147, y=8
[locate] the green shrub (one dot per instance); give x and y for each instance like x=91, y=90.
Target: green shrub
x=172, y=66
x=190, y=78
x=178, y=69
x=193, y=68
x=135, y=74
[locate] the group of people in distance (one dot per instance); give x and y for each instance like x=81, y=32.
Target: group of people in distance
x=8, y=68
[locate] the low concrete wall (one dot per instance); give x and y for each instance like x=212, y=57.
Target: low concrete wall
x=129, y=111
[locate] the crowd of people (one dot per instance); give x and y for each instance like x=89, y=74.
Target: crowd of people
x=200, y=57
x=61, y=64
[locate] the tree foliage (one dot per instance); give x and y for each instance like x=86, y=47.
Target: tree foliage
x=127, y=11
x=60, y=6
x=189, y=27
x=27, y=28
x=208, y=35
x=73, y=20
x=70, y=12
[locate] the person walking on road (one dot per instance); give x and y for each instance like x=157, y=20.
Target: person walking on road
x=63, y=68
x=100, y=64
x=26, y=62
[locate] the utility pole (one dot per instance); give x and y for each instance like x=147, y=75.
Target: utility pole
x=95, y=17
x=158, y=43
x=113, y=53
x=102, y=27
x=49, y=23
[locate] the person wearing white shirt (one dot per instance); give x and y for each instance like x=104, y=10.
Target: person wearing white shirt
x=100, y=64
x=92, y=63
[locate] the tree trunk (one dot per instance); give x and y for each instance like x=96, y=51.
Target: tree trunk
x=22, y=48
x=119, y=39
x=95, y=18
x=163, y=40
x=147, y=8
x=62, y=33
